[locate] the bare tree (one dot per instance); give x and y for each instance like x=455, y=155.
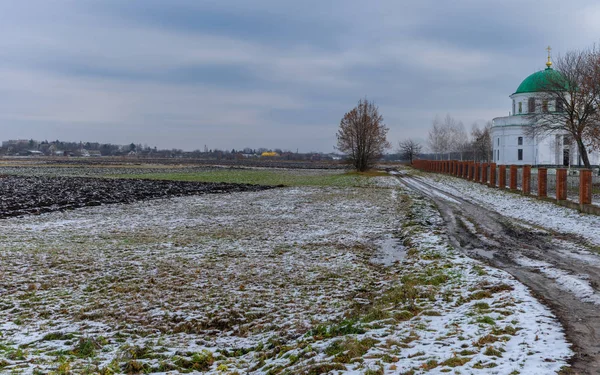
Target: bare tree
x=482, y=142
x=438, y=138
x=447, y=137
x=409, y=149
x=362, y=135
x=458, y=139
x=569, y=100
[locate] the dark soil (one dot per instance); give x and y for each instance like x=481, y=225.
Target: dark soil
x=21, y=195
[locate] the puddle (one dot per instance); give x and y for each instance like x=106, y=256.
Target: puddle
x=390, y=251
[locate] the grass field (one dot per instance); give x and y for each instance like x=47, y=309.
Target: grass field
x=268, y=177
x=351, y=278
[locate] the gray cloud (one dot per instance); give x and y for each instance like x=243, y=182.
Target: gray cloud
x=266, y=73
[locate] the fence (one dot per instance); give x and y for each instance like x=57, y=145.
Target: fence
x=576, y=190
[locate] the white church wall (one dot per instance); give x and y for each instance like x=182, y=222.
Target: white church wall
x=506, y=145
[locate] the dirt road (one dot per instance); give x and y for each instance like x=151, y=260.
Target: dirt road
x=555, y=266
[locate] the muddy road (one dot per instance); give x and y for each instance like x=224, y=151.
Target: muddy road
x=558, y=268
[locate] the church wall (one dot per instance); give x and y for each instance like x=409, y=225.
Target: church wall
x=506, y=145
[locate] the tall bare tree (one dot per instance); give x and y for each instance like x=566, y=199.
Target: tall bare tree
x=481, y=144
x=447, y=137
x=409, y=149
x=458, y=138
x=569, y=101
x=362, y=135
x=438, y=137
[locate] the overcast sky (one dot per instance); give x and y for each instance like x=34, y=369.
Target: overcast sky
x=273, y=73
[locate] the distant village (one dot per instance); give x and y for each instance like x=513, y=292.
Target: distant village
x=32, y=148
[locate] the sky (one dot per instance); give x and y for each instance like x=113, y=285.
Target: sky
x=268, y=73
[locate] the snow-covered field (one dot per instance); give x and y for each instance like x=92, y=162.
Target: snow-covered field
x=293, y=281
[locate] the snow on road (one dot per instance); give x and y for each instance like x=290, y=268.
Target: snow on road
x=540, y=213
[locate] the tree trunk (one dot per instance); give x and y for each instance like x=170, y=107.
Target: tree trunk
x=583, y=153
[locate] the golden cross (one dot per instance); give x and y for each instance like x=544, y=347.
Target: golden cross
x=549, y=63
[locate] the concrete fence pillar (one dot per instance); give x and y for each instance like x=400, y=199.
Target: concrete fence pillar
x=561, y=184
x=513, y=177
x=527, y=179
x=502, y=177
x=585, y=186
x=492, y=175
x=542, y=182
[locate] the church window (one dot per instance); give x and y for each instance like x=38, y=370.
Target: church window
x=520, y=154
x=545, y=106
x=531, y=105
x=559, y=105
x=498, y=141
x=520, y=141
x=520, y=107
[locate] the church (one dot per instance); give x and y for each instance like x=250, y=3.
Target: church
x=510, y=143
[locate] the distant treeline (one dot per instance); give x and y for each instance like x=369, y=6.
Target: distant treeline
x=31, y=147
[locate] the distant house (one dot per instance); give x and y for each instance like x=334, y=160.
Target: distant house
x=269, y=154
x=94, y=153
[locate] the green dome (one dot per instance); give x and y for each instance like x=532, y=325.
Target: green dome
x=540, y=81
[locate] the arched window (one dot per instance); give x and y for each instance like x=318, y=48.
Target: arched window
x=544, y=106
x=559, y=106
x=520, y=107
x=531, y=105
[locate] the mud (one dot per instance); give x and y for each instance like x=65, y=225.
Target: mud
x=21, y=195
x=504, y=243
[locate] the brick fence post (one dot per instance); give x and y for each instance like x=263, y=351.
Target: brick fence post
x=493, y=175
x=513, y=177
x=469, y=171
x=585, y=186
x=542, y=182
x=502, y=177
x=484, y=173
x=476, y=174
x=465, y=168
x=527, y=179
x=561, y=184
